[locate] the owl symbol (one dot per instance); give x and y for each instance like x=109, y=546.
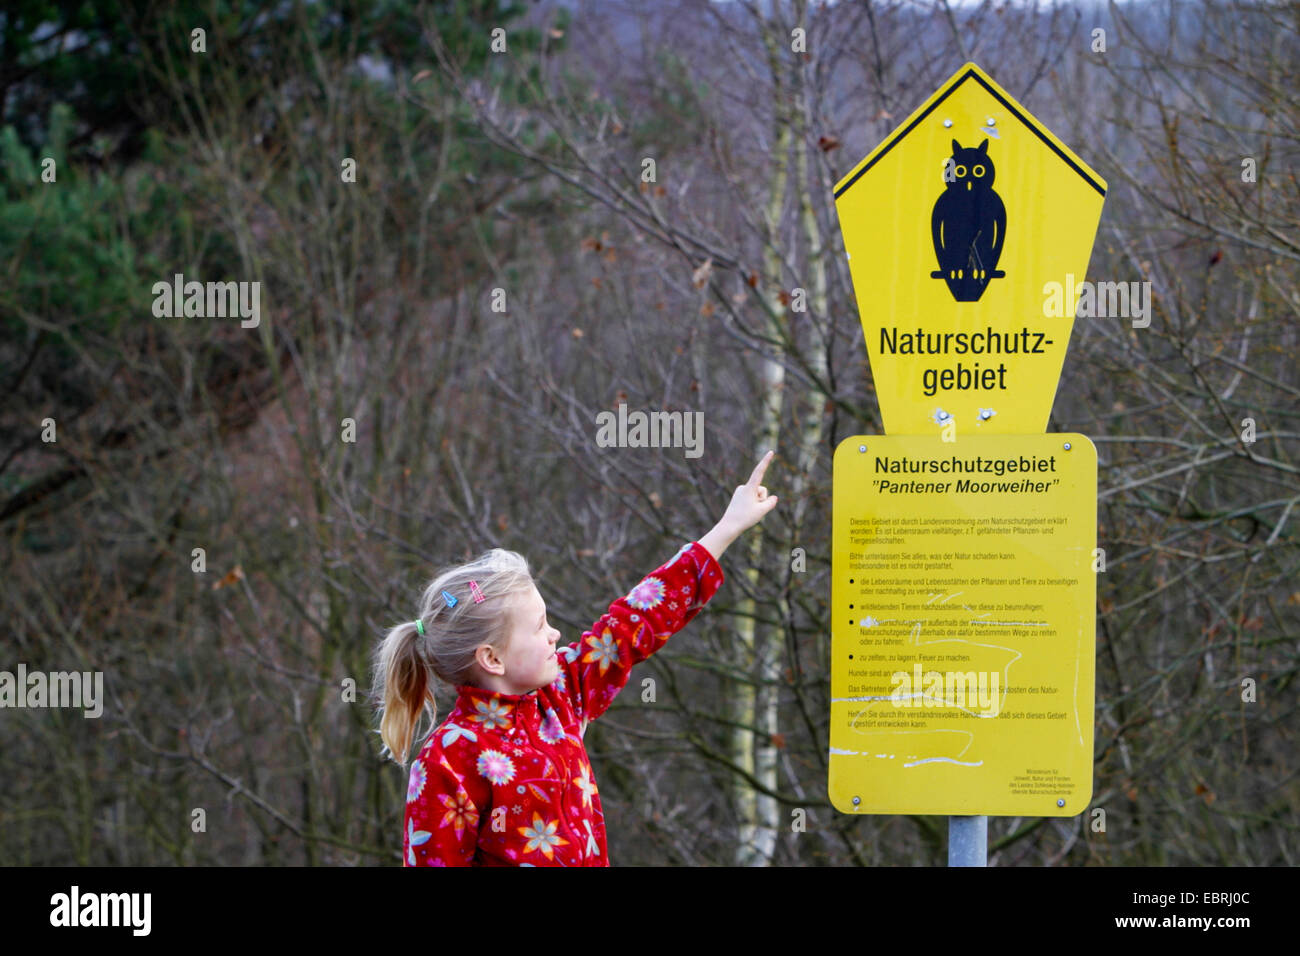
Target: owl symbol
x=969, y=224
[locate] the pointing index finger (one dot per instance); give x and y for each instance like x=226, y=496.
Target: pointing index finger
x=761, y=467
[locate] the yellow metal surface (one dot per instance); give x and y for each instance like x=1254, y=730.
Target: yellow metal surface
x=956, y=226
x=963, y=637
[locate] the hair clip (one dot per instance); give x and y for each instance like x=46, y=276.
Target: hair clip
x=419, y=625
x=450, y=599
x=479, y=597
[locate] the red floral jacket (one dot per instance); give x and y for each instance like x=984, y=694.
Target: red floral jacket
x=505, y=779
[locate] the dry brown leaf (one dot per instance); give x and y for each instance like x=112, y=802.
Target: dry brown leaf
x=235, y=574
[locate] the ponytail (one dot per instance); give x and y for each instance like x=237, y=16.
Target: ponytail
x=404, y=684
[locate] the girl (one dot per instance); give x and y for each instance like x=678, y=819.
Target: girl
x=505, y=779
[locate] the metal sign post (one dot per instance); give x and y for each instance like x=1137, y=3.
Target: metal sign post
x=968, y=841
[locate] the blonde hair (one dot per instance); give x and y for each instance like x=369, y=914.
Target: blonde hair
x=406, y=661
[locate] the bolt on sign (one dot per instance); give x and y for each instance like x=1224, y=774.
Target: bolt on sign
x=962, y=228
x=963, y=561
x=963, y=639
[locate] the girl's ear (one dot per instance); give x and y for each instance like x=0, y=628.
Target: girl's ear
x=486, y=657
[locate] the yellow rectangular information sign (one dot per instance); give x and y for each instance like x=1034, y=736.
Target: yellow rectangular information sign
x=963, y=639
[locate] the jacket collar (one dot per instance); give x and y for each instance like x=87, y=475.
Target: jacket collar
x=494, y=710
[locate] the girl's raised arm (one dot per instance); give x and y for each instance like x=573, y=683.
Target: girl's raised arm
x=597, y=666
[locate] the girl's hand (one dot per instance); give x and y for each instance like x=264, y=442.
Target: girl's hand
x=749, y=505
x=751, y=502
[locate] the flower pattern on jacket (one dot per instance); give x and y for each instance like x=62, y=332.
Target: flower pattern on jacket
x=496, y=766
x=491, y=714
x=415, y=785
x=505, y=779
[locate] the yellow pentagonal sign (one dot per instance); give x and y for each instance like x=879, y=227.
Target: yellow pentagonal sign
x=968, y=231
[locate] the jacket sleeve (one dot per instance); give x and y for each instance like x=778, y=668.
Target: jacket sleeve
x=444, y=809
x=597, y=666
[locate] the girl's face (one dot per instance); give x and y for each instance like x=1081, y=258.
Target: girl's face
x=529, y=657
